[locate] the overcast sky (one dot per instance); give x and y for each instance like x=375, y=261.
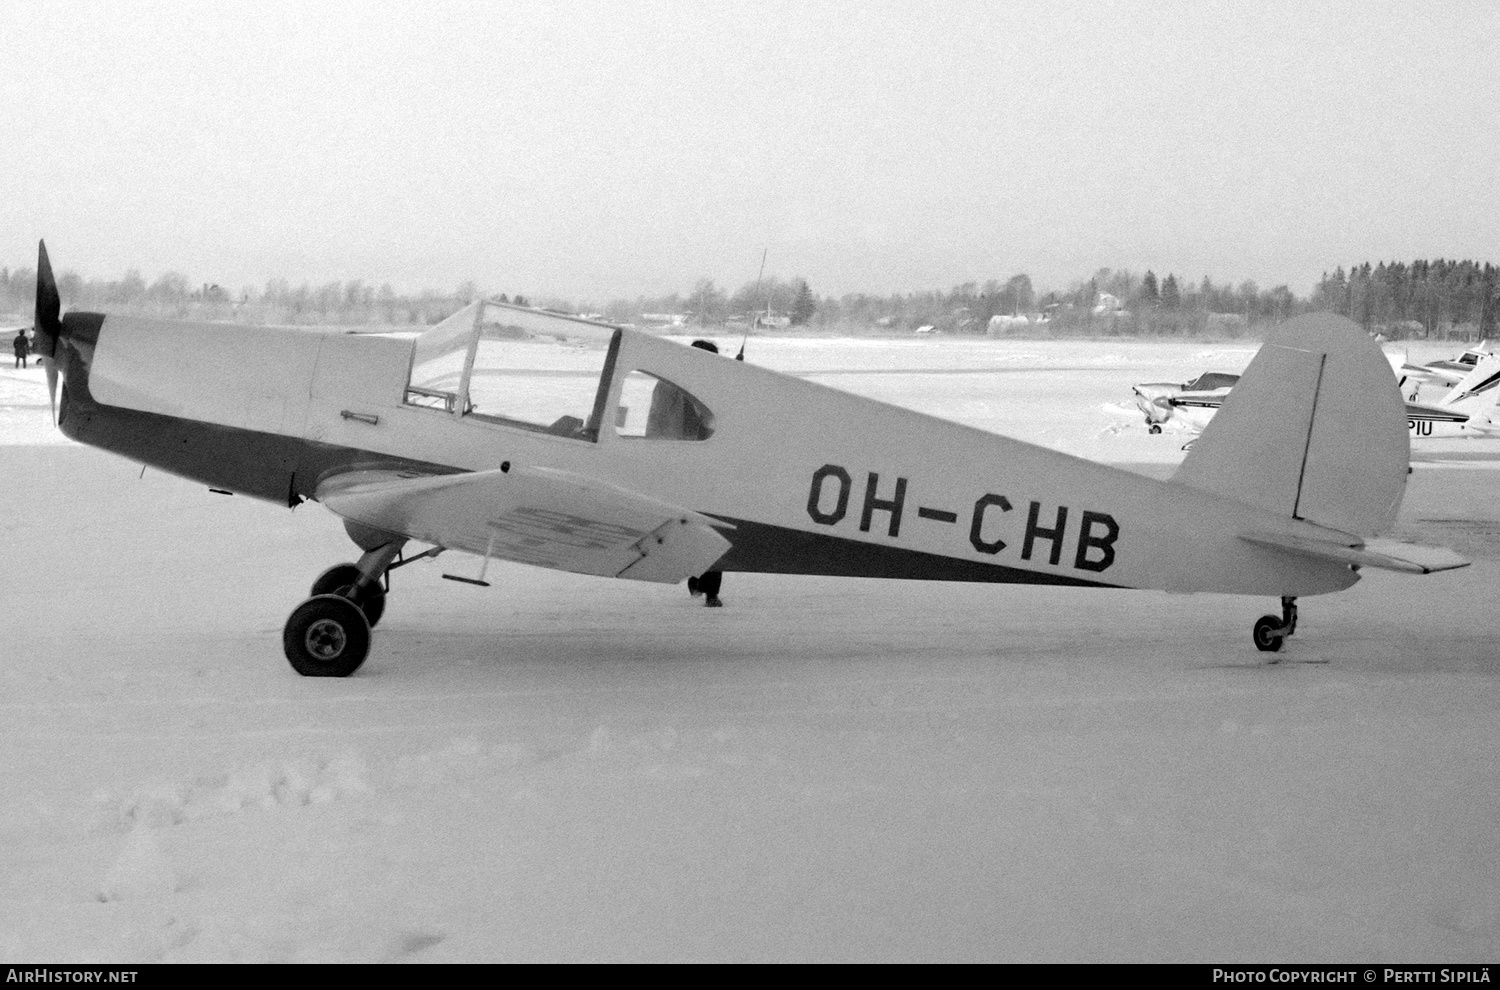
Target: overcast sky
x=593, y=150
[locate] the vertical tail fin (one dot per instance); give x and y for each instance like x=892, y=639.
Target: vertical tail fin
x=1476, y=396
x=1315, y=430
x=1483, y=381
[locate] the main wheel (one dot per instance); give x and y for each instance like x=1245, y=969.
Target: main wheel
x=1267, y=634
x=340, y=579
x=326, y=636
x=1154, y=428
x=336, y=577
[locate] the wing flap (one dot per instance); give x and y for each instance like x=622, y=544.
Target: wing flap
x=663, y=550
x=1391, y=555
x=539, y=516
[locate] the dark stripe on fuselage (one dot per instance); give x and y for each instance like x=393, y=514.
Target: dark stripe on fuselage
x=1483, y=386
x=1425, y=415
x=763, y=548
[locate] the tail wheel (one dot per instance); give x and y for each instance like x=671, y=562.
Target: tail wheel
x=326, y=636
x=340, y=580
x=1269, y=633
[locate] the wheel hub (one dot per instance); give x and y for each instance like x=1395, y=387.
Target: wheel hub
x=325, y=639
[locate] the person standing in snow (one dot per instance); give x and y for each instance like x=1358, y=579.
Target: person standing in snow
x=673, y=414
x=709, y=582
x=22, y=347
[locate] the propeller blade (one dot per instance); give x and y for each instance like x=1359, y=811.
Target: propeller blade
x=50, y=364
x=47, y=323
x=47, y=320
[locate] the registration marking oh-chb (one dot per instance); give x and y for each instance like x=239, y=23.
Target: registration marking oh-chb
x=1092, y=534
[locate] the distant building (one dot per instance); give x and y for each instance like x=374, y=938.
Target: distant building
x=1108, y=304
x=664, y=319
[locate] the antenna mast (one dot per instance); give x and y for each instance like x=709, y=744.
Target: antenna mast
x=741, y=355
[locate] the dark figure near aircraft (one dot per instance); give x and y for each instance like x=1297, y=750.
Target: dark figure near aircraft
x=708, y=583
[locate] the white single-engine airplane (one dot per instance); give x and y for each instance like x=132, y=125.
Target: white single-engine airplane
x=526, y=436
x=1185, y=402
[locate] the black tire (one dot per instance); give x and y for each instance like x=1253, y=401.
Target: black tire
x=1154, y=428
x=1267, y=634
x=336, y=577
x=372, y=603
x=326, y=636
x=339, y=580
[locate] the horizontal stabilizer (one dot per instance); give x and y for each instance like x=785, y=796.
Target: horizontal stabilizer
x=539, y=516
x=1390, y=555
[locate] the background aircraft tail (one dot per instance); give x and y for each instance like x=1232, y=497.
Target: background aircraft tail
x=1315, y=429
x=1476, y=391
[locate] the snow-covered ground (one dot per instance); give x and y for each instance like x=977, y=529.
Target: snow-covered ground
x=570, y=768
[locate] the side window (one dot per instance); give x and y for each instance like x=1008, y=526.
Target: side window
x=653, y=408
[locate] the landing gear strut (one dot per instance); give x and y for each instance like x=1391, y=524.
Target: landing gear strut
x=343, y=580
x=1270, y=632
x=329, y=634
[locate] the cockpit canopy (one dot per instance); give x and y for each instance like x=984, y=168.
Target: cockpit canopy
x=1211, y=380
x=545, y=372
x=521, y=367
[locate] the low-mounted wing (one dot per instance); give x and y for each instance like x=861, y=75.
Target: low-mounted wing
x=539, y=516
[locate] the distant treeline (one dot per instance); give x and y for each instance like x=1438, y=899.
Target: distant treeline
x=1424, y=298
x=1444, y=299
x=1110, y=302
x=174, y=296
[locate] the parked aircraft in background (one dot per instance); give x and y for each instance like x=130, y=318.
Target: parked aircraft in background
x=1467, y=410
x=511, y=433
x=1160, y=402
x=1450, y=372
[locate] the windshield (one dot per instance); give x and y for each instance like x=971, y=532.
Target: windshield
x=520, y=367
x=438, y=361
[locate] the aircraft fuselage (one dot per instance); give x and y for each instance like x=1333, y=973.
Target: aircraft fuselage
x=813, y=480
